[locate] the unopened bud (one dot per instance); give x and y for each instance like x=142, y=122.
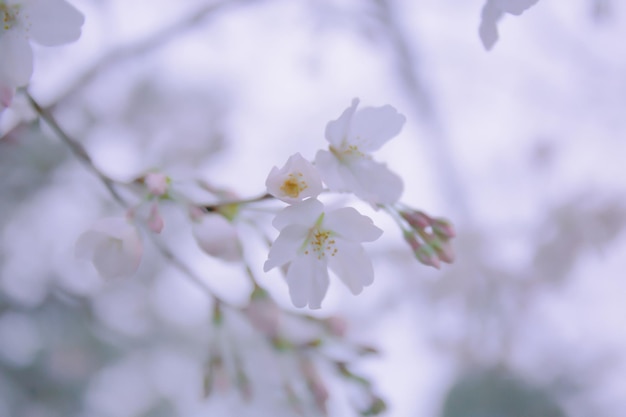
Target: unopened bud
x=417, y=219
x=316, y=385
x=443, y=228
x=410, y=238
x=337, y=326
x=215, y=376
x=156, y=183
x=264, y=314
x=155, y=221
x=6, y=96
x=444, y=250
x=428, y=256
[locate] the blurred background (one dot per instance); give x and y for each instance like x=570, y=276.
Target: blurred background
x=521, y=147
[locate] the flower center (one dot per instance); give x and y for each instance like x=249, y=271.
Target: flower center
x=294, y=185
x=320, y=242
x=347, y=153
x=8, y=15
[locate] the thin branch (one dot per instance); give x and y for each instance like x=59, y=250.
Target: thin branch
x=82, y=155
x=408, y=70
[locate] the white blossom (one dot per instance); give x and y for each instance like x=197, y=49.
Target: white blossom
x=113, y=245
x=311, y=241
x=294, y=182
x=46, y=22
x=217, y=237
x=348, y=166
x=492, y=12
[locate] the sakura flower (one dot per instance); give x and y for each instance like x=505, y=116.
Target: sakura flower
x=492, y=12
x=311, y=241
x=113, y=245
x=47, y=22
x=294, y=182
x=217, y=237
x=348, y=166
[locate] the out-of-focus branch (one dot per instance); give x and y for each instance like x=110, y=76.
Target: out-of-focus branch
x=84, y=157
x=407, y=65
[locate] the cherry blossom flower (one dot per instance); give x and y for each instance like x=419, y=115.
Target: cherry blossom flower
x=348, y=167
x=217, y=237
x=47, y=22
x=294, y=182
x=311, y=241
x=113, y=245
x=492, y=12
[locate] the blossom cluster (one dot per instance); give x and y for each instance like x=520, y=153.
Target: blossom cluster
x=313, y=239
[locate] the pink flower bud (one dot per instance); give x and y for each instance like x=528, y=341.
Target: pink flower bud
x=444, y=251
x=6, y=96
x=423, y=252
x=155, y=221
x=197, y=213
x=443, y=228
x=156, y=183
x=427, y=255
x=417, y=219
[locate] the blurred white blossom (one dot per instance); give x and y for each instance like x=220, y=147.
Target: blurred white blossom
x=348, y=167
x=311, y=241
x=294, y=182
x=46, y=22
x=217, y=237
x=113, y=245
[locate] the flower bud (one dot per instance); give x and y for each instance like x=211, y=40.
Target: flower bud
x=156, y=183
x=416, y=219
x=155, y=221
x=444, y=250
x=428, y=256
x=443, y=228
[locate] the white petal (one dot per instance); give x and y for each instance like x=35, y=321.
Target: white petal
x=375, y=183
x=16, y=64
x=286, y=246
x=515, y=7
x=115, y=252
x=332, y=171
x=307, y=279
x=338, y=130
x=352, y=266
x=54, y=22
x=297, y=180
x=86, y=244
x=351, y=225
x=107, y=258
x=217, y=237
x=372, y=127
x=117, y=227
x=304, y=213
x=488, y=30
